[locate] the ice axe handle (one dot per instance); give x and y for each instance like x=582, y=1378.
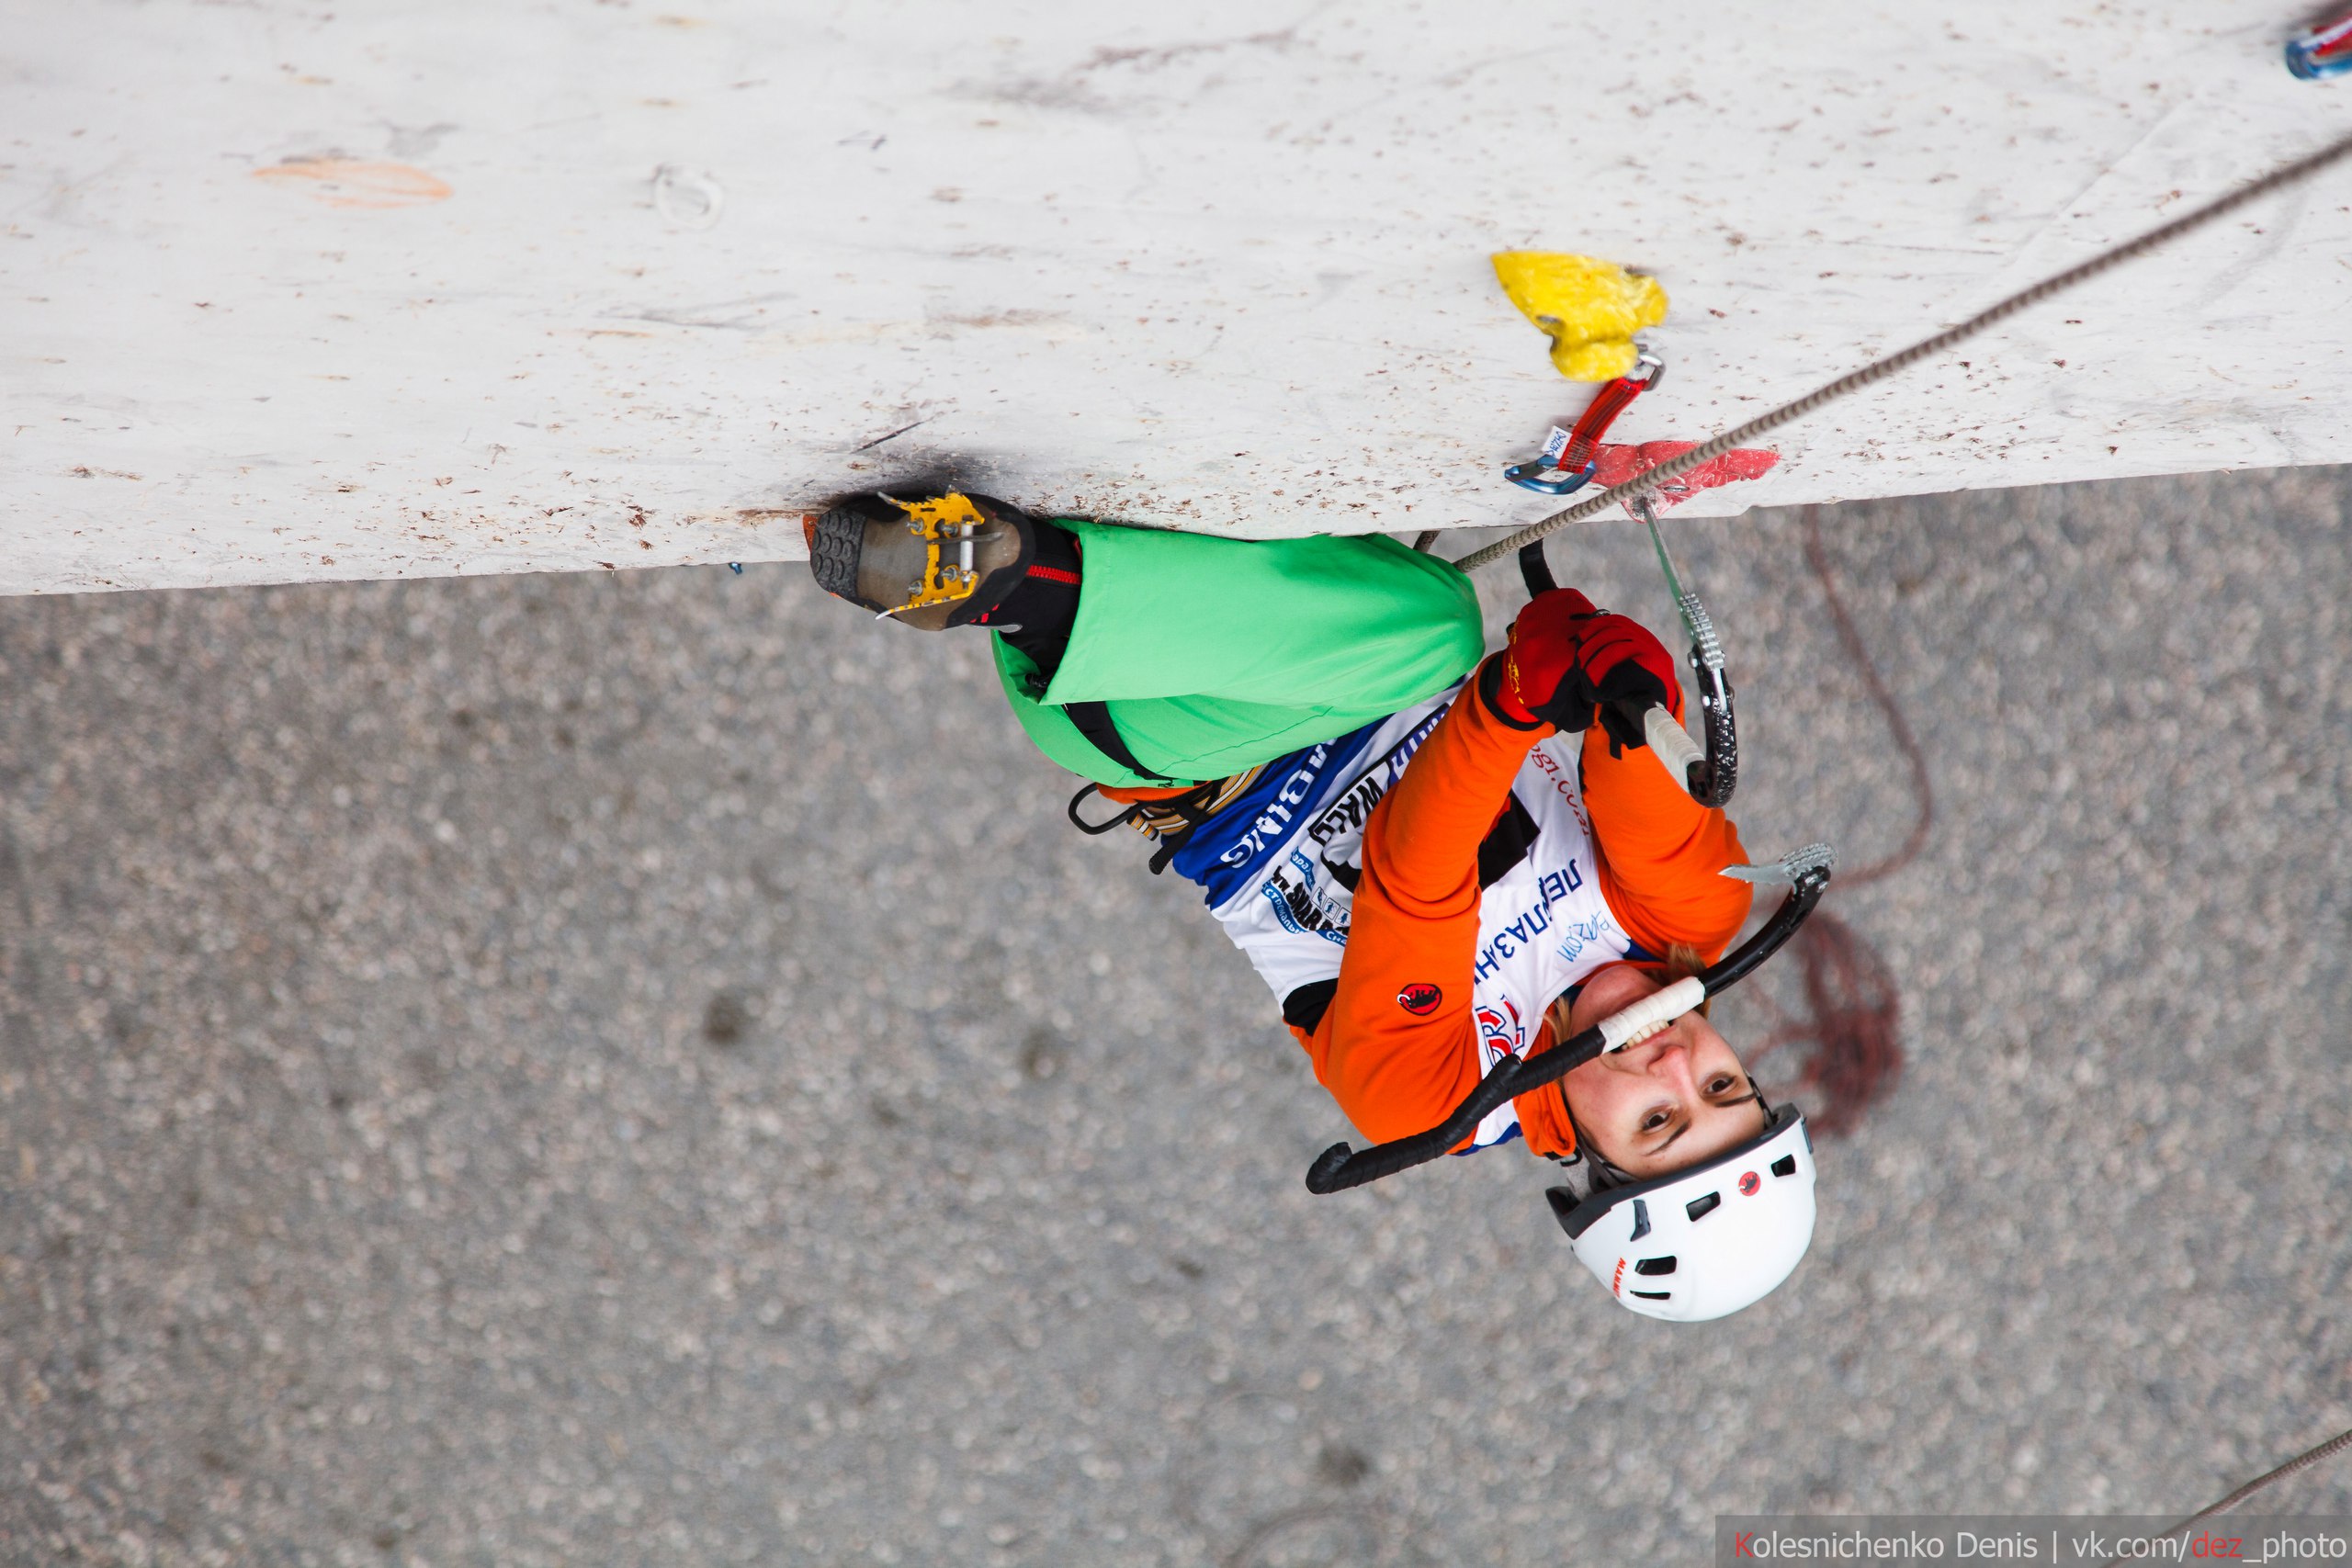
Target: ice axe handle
x=1679, y=753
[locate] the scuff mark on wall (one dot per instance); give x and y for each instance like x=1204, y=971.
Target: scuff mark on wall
x=350, y=182
x=743, y=315
x=893, y=435
x=686, y=198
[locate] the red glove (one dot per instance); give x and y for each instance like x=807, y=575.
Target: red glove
x=1541, y=655
x=1568, y=658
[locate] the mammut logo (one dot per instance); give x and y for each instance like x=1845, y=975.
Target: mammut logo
x=1617, y=1280
x=1419, y=999
x=1749, y=1184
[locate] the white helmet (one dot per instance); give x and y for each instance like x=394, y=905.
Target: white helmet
x=1703, y=1242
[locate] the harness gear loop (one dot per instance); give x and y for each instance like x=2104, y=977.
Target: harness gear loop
x=1096, y=829
x=1170, y=821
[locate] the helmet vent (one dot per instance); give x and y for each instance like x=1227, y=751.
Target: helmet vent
x=1641, y=1220
x=1785, y=1166
x=1656, y=1295
x=1700, y=1207
x=1655, y=1266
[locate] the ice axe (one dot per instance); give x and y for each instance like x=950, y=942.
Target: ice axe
x=1710, y=774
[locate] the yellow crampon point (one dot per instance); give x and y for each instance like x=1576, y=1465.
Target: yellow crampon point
x=950, y=519
x=1590, y=309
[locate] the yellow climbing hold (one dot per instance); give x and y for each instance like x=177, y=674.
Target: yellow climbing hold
x=1588, y=308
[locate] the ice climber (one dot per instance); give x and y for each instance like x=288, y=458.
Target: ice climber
x=1435, y=860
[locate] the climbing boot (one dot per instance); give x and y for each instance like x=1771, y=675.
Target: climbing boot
x=942, y=561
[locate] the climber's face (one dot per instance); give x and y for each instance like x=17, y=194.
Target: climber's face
x=1668, y=1102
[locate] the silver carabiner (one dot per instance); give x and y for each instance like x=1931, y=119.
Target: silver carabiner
x=1656, y=363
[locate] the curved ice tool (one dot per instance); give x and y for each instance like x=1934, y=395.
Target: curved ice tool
x=1807, y=872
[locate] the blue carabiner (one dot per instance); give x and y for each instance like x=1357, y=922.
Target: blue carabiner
x=2322, y=50
x=1543, y=474
x=1560, y=482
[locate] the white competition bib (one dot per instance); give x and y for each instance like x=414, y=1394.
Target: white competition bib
x=1280, y=862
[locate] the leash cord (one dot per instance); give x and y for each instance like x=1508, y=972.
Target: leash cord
x=1878, y=370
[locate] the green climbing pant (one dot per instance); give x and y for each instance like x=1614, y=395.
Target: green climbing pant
x=1213, y=654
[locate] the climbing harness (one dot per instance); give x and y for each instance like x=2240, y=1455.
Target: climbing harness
x=1566, y=464
x=1878, y=370
x=1168, y=822
x=1108, y=824
x=1807, y=872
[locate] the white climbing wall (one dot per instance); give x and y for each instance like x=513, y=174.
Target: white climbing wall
x=387, y=287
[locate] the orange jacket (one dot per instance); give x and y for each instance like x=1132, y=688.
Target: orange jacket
x=1416, y=913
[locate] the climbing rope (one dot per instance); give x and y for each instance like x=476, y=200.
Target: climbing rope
x=2301, y=1462
x=1708, y=451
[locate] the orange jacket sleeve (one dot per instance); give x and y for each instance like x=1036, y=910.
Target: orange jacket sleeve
x=1661, y=852
x=1396, y=1047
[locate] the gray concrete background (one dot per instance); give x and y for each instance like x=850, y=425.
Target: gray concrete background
x=636, y=1069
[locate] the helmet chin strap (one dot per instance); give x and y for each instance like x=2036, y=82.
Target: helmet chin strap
x=1601, y=1173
